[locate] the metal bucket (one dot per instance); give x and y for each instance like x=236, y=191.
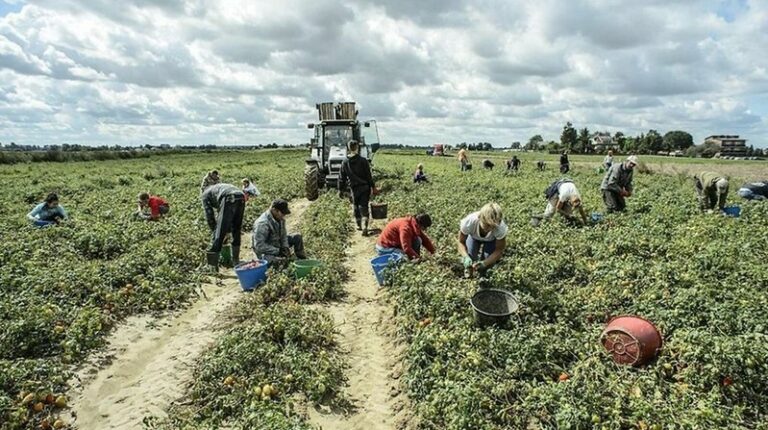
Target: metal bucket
x=631, y=340
x=493, y=307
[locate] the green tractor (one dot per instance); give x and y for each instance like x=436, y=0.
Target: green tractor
x=337, y=125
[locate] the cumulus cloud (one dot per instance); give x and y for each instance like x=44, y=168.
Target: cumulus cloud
x=231, y=71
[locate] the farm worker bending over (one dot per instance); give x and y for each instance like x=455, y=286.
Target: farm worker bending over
x=406, y=236
x=754, y=190
x=271, y=240
x=249, y=189
x=513, y=164
x=419, y=175
x=49, y=210
x=488, y=164
x=229, y=201
x=563, y=197
x=484, y=229
x=211, y=178
x=157, y=207
x=463, y=159
x=356, y=173
x=617, y=184
x=608, y=160
x=712, y=189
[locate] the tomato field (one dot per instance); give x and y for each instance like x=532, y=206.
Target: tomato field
x=700, y=278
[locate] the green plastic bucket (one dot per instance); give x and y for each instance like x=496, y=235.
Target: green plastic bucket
x=302, y=268
x=225, y=257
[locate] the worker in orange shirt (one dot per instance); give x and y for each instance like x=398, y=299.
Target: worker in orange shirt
x=157, y=207
x=406, y=236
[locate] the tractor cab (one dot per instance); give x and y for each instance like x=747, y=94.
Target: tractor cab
x=337, y=126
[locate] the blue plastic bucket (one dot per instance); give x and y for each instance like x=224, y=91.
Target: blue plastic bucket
x=40, y=223
x=597, y=217
x=253, y=277
x=382, y=262
x=733, y=211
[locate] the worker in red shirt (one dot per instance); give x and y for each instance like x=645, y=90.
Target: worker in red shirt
x=406, y=236
x=157, y=207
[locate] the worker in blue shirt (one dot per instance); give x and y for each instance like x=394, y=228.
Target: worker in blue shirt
x=48, y=211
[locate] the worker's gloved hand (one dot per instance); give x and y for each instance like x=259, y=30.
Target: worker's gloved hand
x=285, y=252
x=467, y=261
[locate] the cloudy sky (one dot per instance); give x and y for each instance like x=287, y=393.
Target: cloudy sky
x=249, y=72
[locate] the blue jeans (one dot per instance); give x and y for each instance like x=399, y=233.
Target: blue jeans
x=473, y=248
x=416, y=245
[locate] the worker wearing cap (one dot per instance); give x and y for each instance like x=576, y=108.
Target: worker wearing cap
x=229, y=201
x=271, y=240
x=757, y=190
x=711, y=189
x=406, y=235
x=356, y=175
x=157, y=207
x=563, y=197
x=617, y=184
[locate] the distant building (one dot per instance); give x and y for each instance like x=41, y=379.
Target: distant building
x=602, y=142
x=730, y=145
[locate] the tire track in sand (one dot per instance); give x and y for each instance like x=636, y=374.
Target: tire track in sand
x=366, y=335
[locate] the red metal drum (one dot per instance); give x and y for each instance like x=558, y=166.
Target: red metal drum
x=631, y=340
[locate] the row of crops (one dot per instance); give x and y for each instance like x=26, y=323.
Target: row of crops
x=278, y=354
x=701, y=279
x=62, y=289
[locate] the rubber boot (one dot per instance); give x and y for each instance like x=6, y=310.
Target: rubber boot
x=235, y=256
x=365, y=227
x=213, y=261
x=358, y=221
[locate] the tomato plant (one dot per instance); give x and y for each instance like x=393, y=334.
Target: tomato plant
x=62, y=289
x=701, y=279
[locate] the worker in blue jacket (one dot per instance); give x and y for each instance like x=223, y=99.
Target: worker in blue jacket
x=49, y=211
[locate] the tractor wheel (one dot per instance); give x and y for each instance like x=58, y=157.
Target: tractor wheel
x=311, y=175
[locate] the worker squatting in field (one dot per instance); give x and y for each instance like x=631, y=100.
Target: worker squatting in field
x=270, y=237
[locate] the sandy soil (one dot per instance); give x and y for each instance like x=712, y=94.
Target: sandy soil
x=148, y=363
x=366, y=334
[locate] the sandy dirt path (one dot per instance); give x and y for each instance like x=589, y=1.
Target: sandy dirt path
x=148, y=363
x=366, y=335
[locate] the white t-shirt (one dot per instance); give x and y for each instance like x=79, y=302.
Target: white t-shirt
x=608, y=159
x=471, y=227
x=567, y=190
